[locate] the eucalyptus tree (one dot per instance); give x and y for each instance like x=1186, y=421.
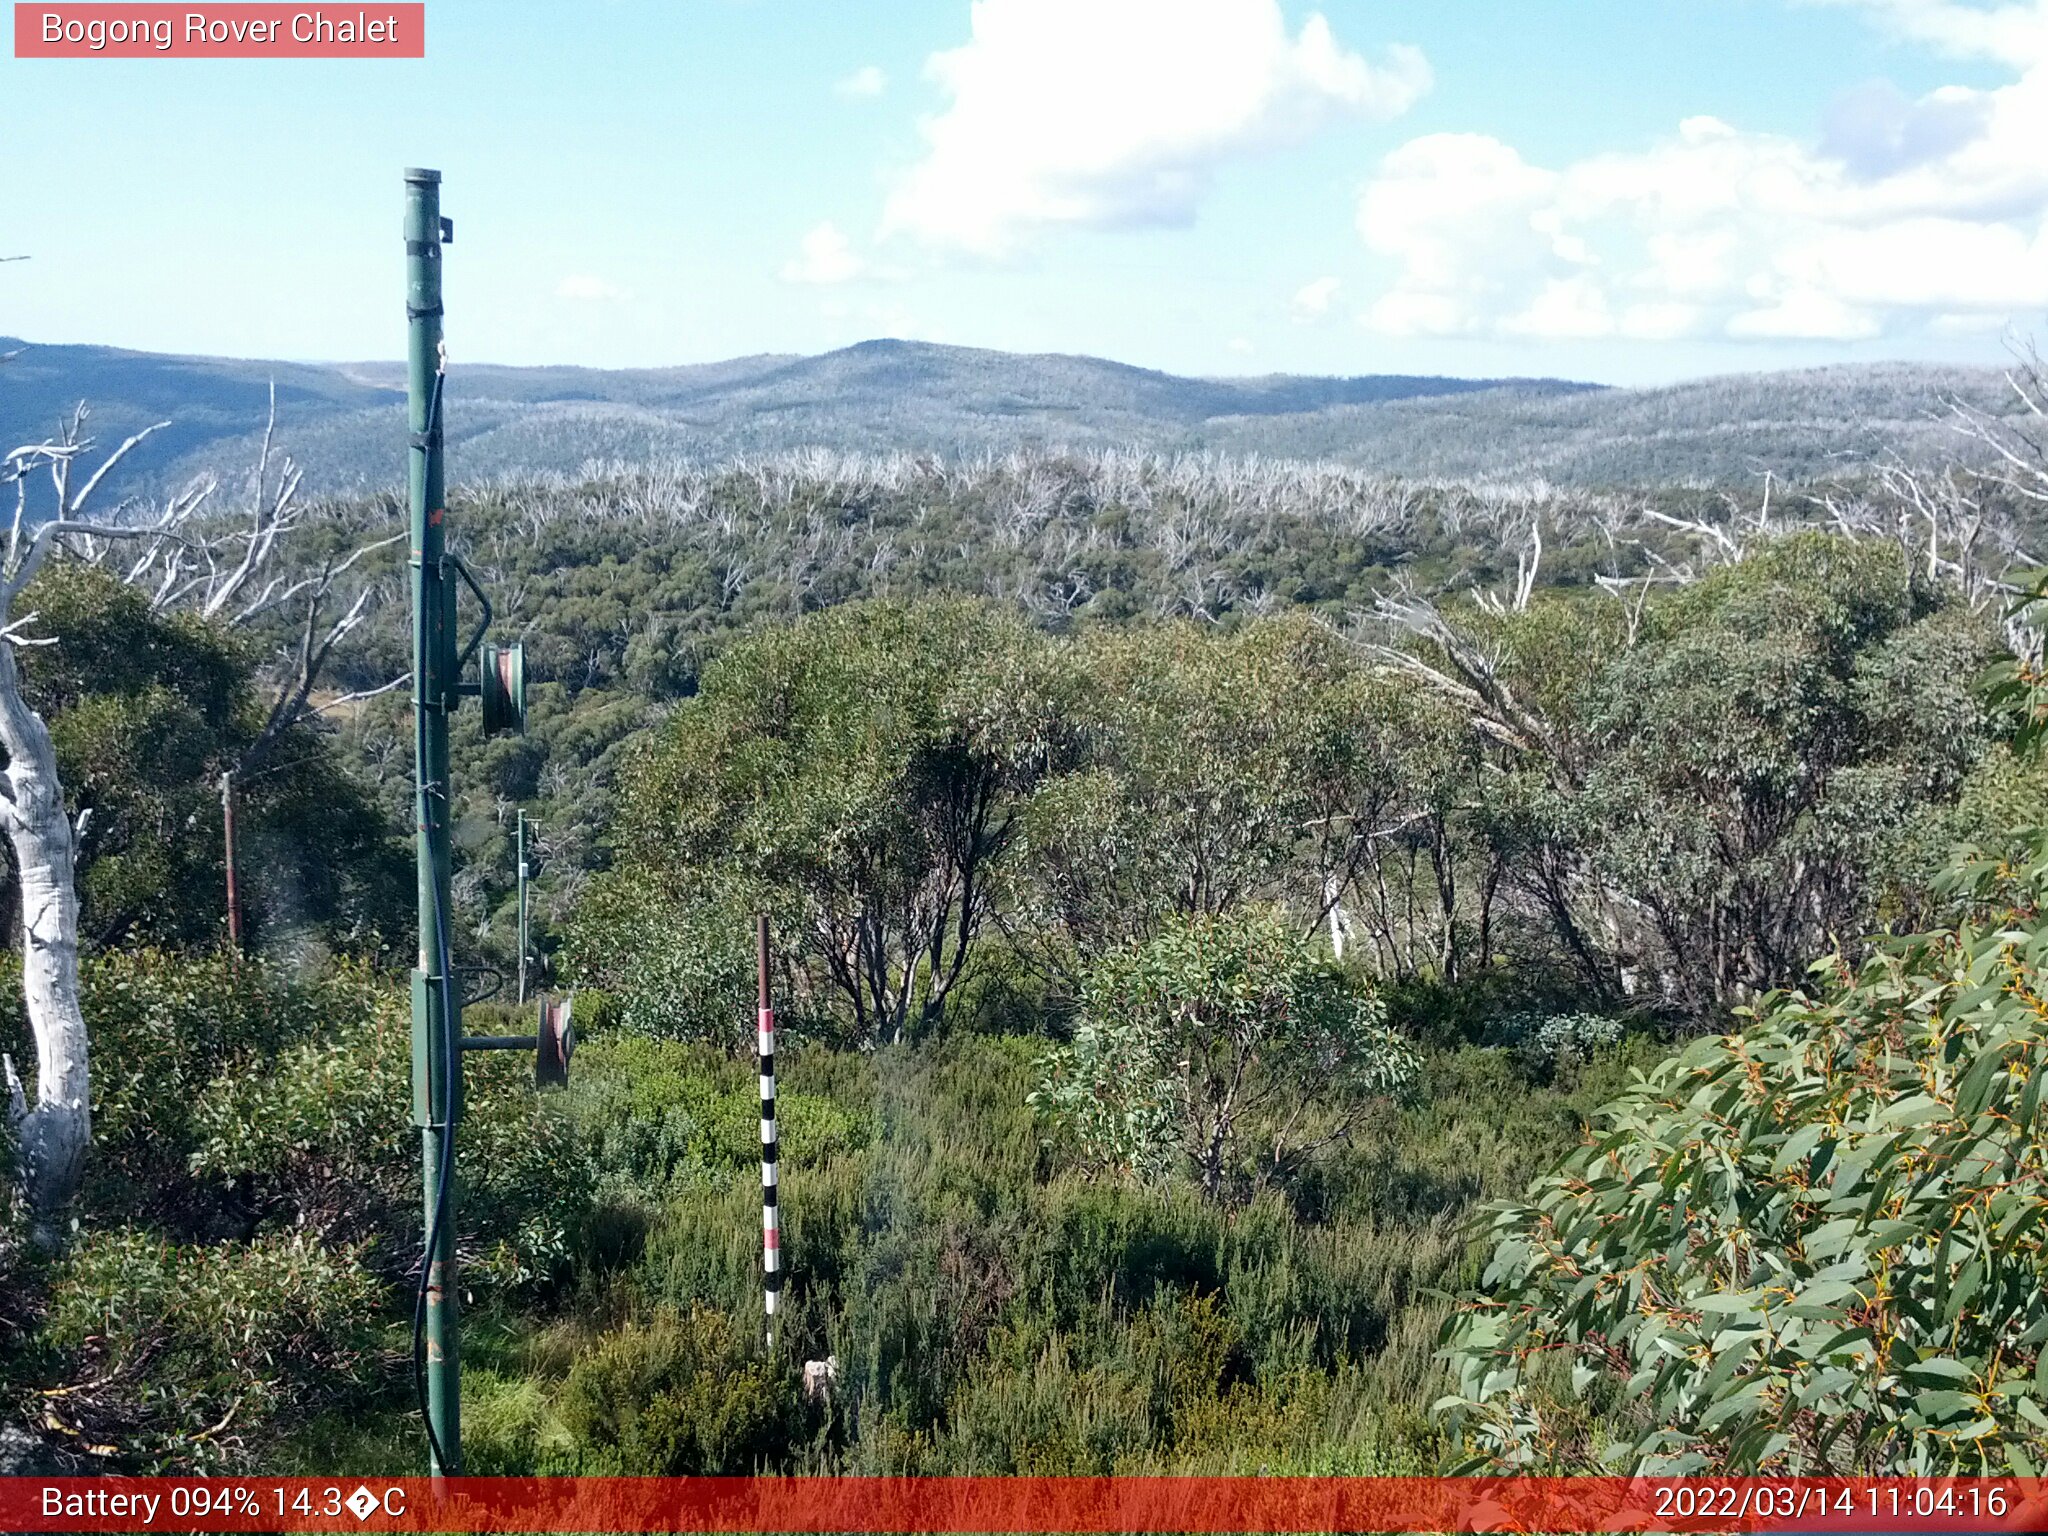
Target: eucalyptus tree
x=1214, y=769
x=1221, y=1048
x=862, y=772
x=1812, y=1246
x=1702, y=793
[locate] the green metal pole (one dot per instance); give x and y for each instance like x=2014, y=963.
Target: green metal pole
x=436, y=1058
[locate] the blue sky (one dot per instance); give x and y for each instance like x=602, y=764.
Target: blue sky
x=1623, y=190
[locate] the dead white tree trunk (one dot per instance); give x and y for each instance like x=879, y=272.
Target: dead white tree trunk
x=1340, y=919
x=54, y=1132
x=227, y=575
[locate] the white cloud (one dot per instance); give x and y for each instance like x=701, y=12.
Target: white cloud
x=1240, y=344
x=589, y=290
x=1313, y=300
x=864, y=83
x=1417, y=314
x=1463, y=214
x=2012, y=34
x=1658, y=321
x=1113, y=113
x=1566, y=308
x=1806, y=314
x=1966, y=325
x=1926, y=264
x=1902, y=213
x=825, y=256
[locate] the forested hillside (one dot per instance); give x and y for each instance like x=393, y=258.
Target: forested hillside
x=345, y=419
x=342, y=421
x=1226, y=909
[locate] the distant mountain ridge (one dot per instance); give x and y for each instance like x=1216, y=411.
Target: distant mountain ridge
x=343, y=422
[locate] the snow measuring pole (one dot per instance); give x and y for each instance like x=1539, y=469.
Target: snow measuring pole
x=522, y=907
x=437, y=688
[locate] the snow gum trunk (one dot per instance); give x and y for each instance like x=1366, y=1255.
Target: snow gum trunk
x=56, y=1129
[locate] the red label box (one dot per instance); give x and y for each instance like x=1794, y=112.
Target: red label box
x=101, y=30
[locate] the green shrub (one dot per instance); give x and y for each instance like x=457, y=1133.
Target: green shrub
x=655, y=1111
x=669, y=969
x=597, y=1012
x=1547, y=1044
x=509, y=1426
x=529, y=1182
x=1815, y=1245
x=324, y=1136
x=1448, y=1014
x=189, y=1354
x=164, y=1028
x=145, y=710
x=319, y=1134
x=683, y=1394
x=1047, y=1403
x=857, y=773
x=1215, y=1035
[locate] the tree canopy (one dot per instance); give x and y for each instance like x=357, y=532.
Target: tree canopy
x=146, y=712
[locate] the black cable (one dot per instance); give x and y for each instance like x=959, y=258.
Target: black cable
x=452, y=1064
x=451, y=1047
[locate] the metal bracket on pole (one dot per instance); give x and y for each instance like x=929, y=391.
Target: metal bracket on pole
x=483, y=625
x=552, y=1045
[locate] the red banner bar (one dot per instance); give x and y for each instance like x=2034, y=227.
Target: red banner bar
x=373, y=30
x=878, y=1506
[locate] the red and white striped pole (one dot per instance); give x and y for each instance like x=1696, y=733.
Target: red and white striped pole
x=771, y=1223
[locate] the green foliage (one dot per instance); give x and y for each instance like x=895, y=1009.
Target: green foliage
x=970, y=1279
x=2016, y=687
x=1672, y=810
x=655, y=1111
x=630, y=585
x=969, y=819
x=1745, y=782
x=320, y=1118
x=1216, y=769
x=1547, y=1044
x=977, y=1287
x=860, y=771
x=682, y=1395
x=322, y=1137
x=509, y=1426
x=145, y=713
x=175, y=1355
x=164, y=1027
x=233, y=1097
x=888, y=779
x=674, y=967
x=1216, y=1032
x=1813, y=1245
